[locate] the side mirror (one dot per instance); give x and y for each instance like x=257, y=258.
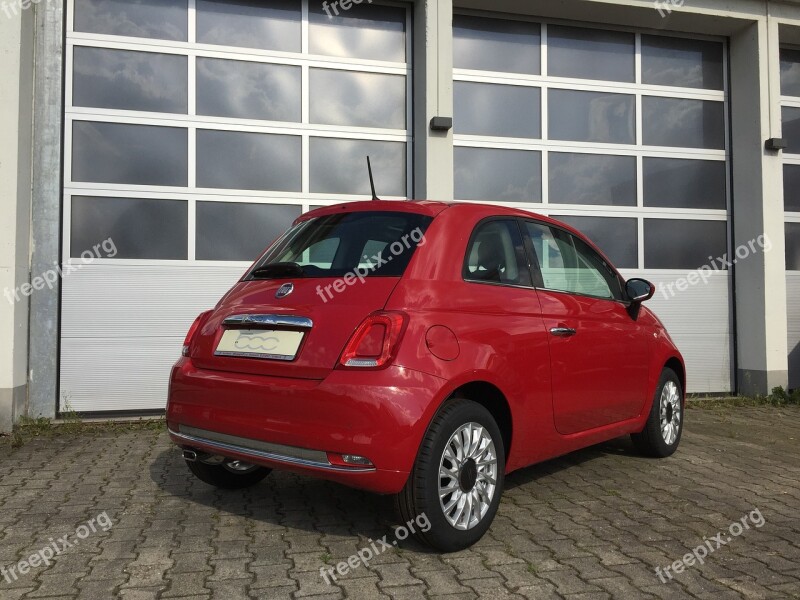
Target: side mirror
x=639, y=290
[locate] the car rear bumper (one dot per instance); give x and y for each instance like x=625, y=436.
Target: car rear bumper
x=293, y=424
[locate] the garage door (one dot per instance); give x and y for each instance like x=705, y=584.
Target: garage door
x=196, y=131
x=620, y=133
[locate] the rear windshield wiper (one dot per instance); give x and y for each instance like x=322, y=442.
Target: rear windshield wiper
x=278, y=271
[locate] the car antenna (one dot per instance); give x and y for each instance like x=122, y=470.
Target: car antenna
x=371, y=180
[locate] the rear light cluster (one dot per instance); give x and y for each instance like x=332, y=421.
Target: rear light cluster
x=198, y=322
x=375, y=343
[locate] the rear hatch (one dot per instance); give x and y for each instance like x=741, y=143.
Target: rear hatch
x=294, y=312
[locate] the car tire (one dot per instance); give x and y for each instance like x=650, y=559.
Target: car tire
x=662, y=433
x=226, y=478
x=476, y=479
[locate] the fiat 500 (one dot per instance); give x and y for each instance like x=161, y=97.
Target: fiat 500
x=426, y=350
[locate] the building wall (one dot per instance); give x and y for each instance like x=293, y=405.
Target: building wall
x=16, y=72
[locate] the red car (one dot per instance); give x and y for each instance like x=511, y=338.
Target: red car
x=423, y=349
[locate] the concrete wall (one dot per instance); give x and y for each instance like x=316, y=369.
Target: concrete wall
x=16, y=105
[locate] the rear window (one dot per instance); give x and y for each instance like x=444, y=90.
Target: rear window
x=374, y=244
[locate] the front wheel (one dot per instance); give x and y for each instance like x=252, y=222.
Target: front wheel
x=457, y=479
x=662, y=433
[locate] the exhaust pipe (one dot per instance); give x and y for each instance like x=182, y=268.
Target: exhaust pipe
x=190, y=455
x=203, y=457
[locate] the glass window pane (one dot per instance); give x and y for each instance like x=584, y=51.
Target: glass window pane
x=248, y=161
x=127, y=80
x=682, y=62
x=683, y=123
x=275, y=25
x=132, y=154
x=141, y=229
x=592, y=117
x=618, y=238
x=683, y=244
x=681, y=183
x=498, y=175
x=793, y=246
x=358, y=99
x=494, y=45
x=497, y=110
x=791, y=128
x=248, y=90
x=791, y=188
x=496, y=254
x=367, y=31
x=592, y=179
x=159, y=19
x=790, y=72
x=339, y=166
x=236, y=231
x=590, y=53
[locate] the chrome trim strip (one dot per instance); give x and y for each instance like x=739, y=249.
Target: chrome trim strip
x=264, y=454
x=270, y=321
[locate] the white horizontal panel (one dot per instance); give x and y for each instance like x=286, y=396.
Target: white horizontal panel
x=102, y=301
x=113, y=374
x=793, y=333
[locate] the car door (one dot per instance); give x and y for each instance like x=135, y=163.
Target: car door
x=598, y=351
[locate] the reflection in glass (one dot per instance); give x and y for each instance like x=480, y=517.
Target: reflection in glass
x=682, y=183
x=140, y=229
x=236, y=231
x=127, y=80
x=681, y=62
x=683, y=244
x=591, y=117
x=791, y=128
x=793, y=246
x=339, y=166
x=248, y=161
x=248, y=90
x=592, y=179
x=358, y=99
x=158, y=19
x=618, y=238
x=368, y=31
x=683, y=123
x=790, y=72
x=791, y=188
x=497, y=110
x=275, y=25
x=590, y=53
x=494, y=45
x=131, y=154
x=498, y=175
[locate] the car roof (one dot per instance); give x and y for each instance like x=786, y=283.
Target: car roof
x=431, y=208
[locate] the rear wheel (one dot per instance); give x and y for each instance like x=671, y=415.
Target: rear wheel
x=662, y=433
x=457, y=480
x=230, y=475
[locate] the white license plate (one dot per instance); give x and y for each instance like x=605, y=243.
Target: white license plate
x=260, y=343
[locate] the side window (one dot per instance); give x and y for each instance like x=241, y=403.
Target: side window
x=496, y=254
x=568, y=264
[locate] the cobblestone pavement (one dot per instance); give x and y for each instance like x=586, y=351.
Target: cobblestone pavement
x=593, y=524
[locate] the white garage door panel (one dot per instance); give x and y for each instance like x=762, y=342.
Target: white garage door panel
x=698, y=320
x=793, y=310
x=148, y=310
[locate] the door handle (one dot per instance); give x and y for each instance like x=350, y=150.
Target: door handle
x=563, y=331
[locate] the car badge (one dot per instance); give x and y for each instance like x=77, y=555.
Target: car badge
x=285, y=290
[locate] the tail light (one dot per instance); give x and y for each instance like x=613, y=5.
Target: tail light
x=198, y=322
x=374, y=344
